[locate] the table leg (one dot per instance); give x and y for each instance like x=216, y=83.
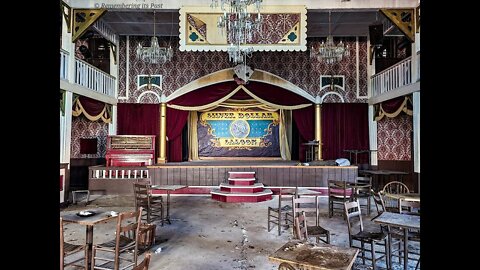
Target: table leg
x=89, y=242
x=405, y=249
x=167, y=218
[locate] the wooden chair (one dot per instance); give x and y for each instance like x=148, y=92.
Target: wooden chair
x=338, y=194
x=308, y=206
x=144, y=264
x=125, y=243
x=356, y=232
x=394, y=187
x=362, y=191
x=152, y=205
x=283, y=214
x=67, y=250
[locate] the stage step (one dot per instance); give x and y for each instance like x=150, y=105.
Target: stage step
x=241, y=174
x=224, y=196
x=241, y=187
x=241, y=181
x=257, y=187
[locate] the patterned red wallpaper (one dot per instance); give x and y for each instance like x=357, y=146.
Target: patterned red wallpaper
x=84, y=128
x=296, y=67
x=394, y=141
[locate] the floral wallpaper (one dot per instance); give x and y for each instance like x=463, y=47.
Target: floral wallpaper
x=84, y=128
x=394, y=138
x=296, y=67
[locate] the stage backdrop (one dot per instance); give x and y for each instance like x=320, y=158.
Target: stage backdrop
x=233, y=133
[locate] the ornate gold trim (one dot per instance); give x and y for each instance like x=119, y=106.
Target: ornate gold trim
x=83, y=19
x=399, y=17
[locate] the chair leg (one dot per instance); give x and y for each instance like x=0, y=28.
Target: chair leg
x=418, y=262
x=363, y=252
x=268, y=221
x=161, y=214
x=92, y=266
x=330, y=208
x=368, y=205
x=374, y=260
x=279, y=222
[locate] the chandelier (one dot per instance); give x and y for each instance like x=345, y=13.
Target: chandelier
x=239, y=25
x=154, y=54
x=328, y=51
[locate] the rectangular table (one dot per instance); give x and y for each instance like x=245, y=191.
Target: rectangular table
x=168, y=189
x=403, y=221
x=312, y=256
x=101, y=215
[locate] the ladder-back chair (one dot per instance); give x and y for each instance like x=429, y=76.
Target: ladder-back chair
x=124, y=245
x=69, y=250
x=282, y=215
x=308, y=206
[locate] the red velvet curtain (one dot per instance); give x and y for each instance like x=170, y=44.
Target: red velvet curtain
x=91, y=106
x=344, y=127
x=138, y=119
x=392, y=105
x=305, y=121
x=176, y=120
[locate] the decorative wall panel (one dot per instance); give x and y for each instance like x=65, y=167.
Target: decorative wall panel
x=283, y=29
x=296, y=67
x=394, y=141
x=84, y=128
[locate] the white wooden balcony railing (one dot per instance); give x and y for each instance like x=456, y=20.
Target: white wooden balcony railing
x=94, y=79
x=392, y=78
x=63, y=64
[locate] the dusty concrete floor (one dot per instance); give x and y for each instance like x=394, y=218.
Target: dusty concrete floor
x=207, y=234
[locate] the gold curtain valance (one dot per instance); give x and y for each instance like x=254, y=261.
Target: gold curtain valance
x=256, y=102
x=92, y=114
x=381, y=110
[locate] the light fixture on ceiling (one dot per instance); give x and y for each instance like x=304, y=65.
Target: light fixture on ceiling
x=327, y=51
x=239, y=25
x=154, y=54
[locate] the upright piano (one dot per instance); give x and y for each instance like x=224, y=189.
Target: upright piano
x=130, y=150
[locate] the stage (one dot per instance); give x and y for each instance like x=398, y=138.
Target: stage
x=201, y=176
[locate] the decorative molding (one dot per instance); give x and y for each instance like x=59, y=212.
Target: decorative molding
x=83, y=19
x=148, y=92
x=157, y=81
x=403, y=18
x=201, y=23
x=331, y=93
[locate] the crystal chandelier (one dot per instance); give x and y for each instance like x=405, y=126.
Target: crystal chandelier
x=328, y=51
x=154, y=54
x=239, y=25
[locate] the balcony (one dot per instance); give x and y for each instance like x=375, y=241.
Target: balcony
x=398, y=80
x=93, y=78
x=86, y=79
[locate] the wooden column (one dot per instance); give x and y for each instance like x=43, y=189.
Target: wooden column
x=162, y=153
x=318, y=126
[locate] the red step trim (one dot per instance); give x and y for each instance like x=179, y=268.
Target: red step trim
x=241, y=182
x=224, y=198
x=245, y=189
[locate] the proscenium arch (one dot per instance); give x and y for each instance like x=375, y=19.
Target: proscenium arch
x=226, y=75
